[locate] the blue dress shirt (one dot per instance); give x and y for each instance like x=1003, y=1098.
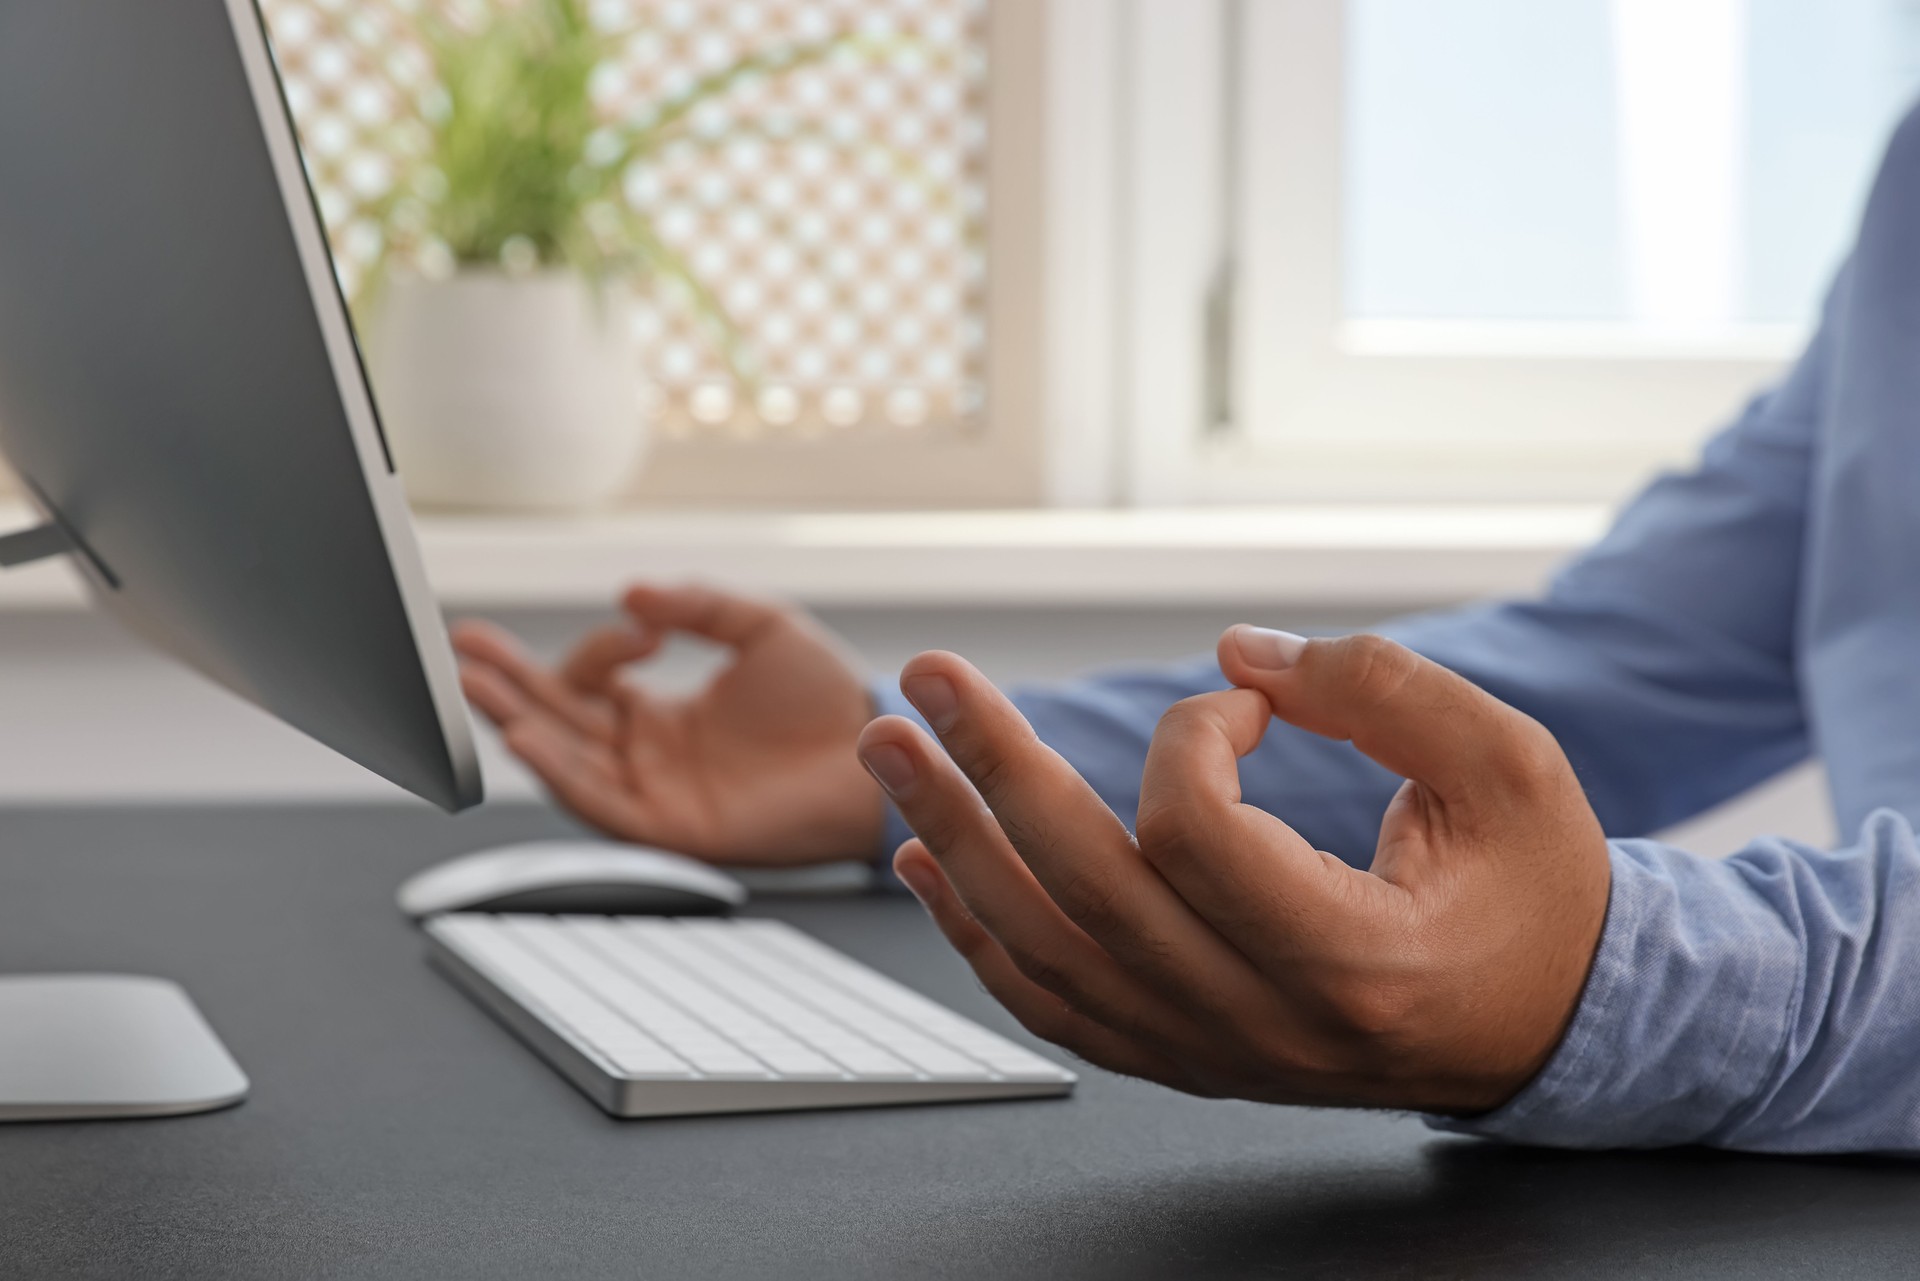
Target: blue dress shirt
x=1759, y=609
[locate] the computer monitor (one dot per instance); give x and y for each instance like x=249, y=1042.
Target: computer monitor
x=182, y=396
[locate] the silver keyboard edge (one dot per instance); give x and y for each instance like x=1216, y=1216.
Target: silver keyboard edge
x=637, y=1099
x=592, y=1080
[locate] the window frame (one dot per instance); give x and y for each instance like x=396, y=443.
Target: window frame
x=1239, y=390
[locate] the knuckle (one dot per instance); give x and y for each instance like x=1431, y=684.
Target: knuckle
x=1154, y=948
x=994, y=772
x=1030, y=837
x=1091, y=898
x=1374, y=668
x=937, y=821
x=1166, y=831
x=1044, y=972
x=1194, y=710
x=1532, y=757
x=972, y=942
x=1035, y=968
x=940, y=829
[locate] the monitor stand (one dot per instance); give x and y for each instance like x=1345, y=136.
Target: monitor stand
x=76, y=1046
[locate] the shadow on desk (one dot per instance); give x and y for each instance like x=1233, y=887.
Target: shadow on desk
x=1480, y=1210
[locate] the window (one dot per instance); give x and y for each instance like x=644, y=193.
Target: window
x=1677, y=169
x=1168, y=251
x=829, y=330
x=1485, y=248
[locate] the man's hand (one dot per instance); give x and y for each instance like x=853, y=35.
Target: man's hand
x=1220, y=953
x=756, y=768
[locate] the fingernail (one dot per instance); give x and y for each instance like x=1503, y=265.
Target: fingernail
x=916, y=878
x=935, y=698
x=1267, y=649
x=890, y=766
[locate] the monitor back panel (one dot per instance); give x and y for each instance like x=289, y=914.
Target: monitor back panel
x=180, y=383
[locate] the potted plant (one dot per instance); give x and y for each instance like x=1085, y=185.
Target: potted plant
x=497, y=313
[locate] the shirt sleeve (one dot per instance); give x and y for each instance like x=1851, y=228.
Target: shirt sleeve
x=1769, y=1002
x=1662, y=659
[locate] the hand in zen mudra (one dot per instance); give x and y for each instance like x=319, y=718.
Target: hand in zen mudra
x=1220, y=953
x=755, y=767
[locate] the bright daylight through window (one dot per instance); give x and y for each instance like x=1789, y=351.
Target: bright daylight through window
x=1497, y=249
x=1682, y=167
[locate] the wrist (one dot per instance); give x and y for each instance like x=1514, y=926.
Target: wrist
x=1630, y=1071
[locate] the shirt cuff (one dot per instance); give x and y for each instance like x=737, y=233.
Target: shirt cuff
x=1683, y=1017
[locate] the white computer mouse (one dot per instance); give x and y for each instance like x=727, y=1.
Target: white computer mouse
x=572, y=876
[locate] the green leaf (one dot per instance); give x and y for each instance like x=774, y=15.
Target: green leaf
x=518, y=152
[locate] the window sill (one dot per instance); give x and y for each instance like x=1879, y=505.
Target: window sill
x=1345, y=556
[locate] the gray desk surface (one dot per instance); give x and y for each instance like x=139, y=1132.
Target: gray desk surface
x=394, y=1130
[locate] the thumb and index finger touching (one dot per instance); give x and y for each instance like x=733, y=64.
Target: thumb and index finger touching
x=1412, y=716
x=1406, y=712
x=1246, y=872
x=721, y=617
x=509, y=685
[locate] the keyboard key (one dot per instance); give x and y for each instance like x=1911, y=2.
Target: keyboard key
x=1001, y=1056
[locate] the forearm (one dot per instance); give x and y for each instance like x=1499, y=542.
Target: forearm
x=1764, y=1003
x=1661, y=716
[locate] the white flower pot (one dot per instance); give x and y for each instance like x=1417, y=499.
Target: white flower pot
x=505, y=391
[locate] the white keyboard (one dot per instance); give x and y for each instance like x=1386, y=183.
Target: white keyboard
x=655, y=1016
